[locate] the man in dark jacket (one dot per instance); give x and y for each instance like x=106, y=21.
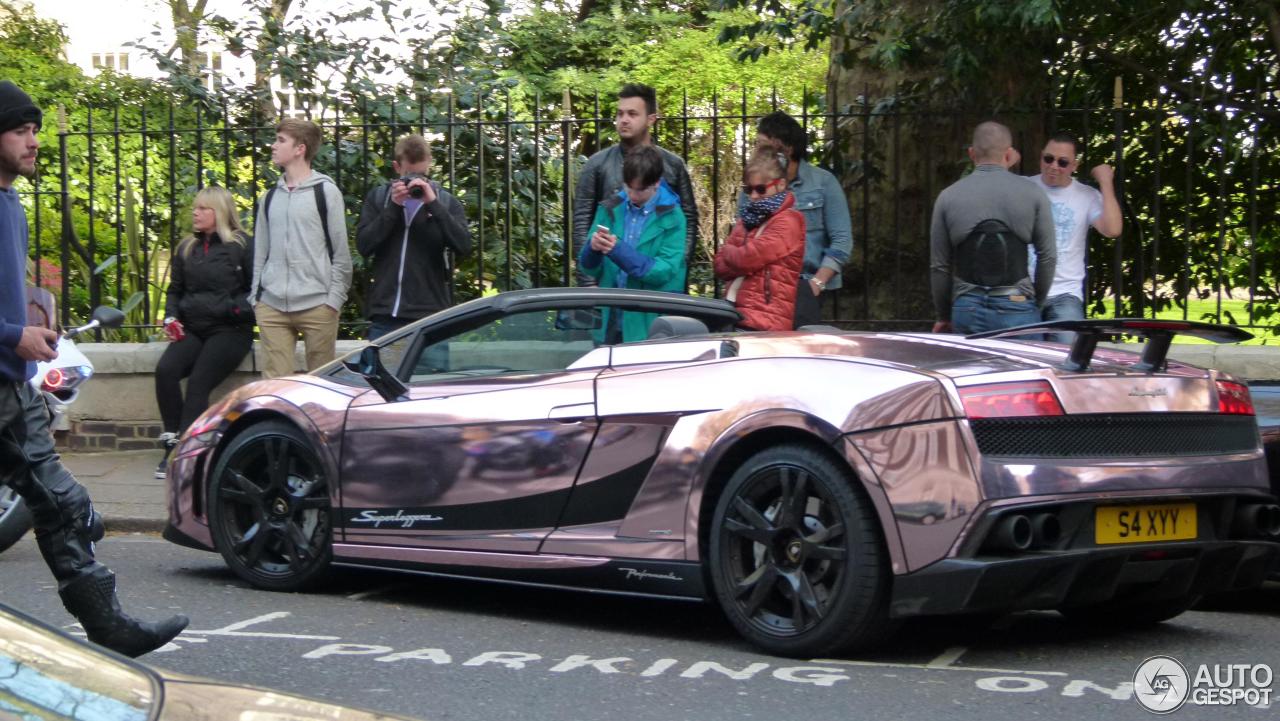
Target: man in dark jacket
x=601, y=177
x=66, y=524
x=408, y=229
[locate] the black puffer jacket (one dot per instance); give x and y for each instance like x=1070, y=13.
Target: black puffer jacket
x=209, y=285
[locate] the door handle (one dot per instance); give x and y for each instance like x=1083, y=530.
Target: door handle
x=574, y=413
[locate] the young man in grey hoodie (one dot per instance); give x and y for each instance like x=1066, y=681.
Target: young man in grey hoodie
x=301, y=259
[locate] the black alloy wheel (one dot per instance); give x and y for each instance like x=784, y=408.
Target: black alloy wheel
x=269, y=508
x=797, y=560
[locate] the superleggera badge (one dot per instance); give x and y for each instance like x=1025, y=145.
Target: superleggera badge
x=400, y=517
x=1149, y=393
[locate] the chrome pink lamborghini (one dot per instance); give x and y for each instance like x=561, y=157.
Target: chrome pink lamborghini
x=818, y=484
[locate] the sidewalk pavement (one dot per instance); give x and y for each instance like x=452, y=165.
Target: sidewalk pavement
x=123, y=487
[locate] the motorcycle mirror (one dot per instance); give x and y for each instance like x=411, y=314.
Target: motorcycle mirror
x=368, y=364
x=108, y=317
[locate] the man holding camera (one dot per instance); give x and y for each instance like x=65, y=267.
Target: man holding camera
x=408, y=229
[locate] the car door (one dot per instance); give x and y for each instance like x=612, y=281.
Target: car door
x=482, y=451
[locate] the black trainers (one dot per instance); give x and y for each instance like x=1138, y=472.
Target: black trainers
x=170, y=440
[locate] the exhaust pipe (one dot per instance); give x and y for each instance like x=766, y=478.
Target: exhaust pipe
x=1272, y=527
x=1258, y=519
x=1012, y=533
x=1045, y=530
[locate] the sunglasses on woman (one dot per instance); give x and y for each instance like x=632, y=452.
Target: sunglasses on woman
x=1050, y=160
x=758, y=189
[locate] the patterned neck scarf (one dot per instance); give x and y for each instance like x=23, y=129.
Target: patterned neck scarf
x=758, y=211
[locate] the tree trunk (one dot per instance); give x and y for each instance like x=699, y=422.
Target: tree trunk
x=901, y=139
x=186, y=28
x=267, y=50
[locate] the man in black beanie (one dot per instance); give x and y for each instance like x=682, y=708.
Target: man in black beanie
x=66, y=524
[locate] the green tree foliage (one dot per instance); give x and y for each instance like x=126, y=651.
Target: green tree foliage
x=1179, y=93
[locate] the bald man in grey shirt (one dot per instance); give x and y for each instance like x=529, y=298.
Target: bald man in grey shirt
x=990, y=193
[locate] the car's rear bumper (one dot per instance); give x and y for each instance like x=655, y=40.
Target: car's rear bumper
x=1065, y=579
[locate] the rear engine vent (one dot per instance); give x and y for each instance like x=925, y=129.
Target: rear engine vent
x=1107, y=435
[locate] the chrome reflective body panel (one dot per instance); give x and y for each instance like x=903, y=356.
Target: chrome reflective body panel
x=611, y=458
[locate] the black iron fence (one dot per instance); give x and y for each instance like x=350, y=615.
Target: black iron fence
x=1198, y=187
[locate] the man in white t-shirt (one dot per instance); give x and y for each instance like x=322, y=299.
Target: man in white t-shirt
x=1076, y=206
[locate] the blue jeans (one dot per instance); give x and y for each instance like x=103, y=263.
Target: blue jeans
x=978, y=312
x=380, y=325
x=1062, y=307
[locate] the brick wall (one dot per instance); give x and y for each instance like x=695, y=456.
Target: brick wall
x=88, y=436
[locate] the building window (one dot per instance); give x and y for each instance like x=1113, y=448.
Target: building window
x=211, y=69
x=110, y=61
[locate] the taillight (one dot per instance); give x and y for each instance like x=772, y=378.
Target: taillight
x=1010, y=400
x=53, y=380
x=1234, y=398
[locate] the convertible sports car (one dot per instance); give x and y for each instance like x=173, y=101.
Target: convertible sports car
x=817, y=484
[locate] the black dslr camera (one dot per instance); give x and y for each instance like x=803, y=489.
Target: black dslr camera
x=415, y=192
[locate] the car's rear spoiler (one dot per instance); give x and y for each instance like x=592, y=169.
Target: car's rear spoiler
x=1158, y=334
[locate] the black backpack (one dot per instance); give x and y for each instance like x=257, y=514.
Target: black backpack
x=991, y=256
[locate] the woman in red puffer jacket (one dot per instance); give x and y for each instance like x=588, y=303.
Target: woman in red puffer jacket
x=762, y=258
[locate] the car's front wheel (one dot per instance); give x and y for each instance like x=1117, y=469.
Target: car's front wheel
x=269, y=508
x=797, y=559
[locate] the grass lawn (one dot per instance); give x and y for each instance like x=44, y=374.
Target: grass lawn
x=1196, y=309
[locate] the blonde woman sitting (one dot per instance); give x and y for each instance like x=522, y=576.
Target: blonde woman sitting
x=208, y=317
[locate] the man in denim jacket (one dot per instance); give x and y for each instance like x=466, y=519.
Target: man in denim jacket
x=828, y=236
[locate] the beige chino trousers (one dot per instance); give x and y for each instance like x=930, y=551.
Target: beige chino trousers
x=279, y=331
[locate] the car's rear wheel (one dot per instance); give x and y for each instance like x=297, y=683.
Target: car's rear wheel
x=797, y=558
x=269, y=508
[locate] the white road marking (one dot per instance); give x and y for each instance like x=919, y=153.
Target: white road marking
x=234, y=629
x=927, y=667
x=948, y=657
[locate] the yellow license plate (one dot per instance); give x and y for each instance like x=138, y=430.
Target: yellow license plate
x=1144, y=524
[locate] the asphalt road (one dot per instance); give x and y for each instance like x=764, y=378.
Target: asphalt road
x=467, y=651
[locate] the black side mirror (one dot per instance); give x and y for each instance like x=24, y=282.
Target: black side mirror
x=368, y=364
x=104, y=316
x=108, y=317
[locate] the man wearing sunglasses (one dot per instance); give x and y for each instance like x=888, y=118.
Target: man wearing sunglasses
x=1076, y=207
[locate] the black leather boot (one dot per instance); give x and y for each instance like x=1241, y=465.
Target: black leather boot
x=92, y=599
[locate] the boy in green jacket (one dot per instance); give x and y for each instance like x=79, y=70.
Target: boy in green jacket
x=638, y=242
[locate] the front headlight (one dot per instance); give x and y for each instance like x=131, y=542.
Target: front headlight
x=206, y=429
x=60, y=381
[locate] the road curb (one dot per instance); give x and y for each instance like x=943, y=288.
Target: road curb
x=133, y=525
